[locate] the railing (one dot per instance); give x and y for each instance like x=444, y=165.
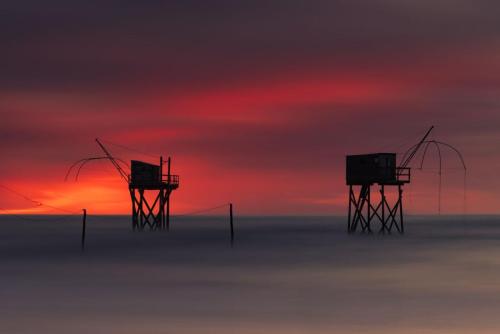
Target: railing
x=171, y=179
x=403, y=174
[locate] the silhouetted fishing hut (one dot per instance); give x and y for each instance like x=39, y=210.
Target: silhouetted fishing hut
x=366, y=170
x=148, y=178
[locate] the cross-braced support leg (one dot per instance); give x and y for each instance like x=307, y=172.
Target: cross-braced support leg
x=359, y=204
x=363, y=213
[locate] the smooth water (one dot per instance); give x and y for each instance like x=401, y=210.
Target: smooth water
x=283, y=275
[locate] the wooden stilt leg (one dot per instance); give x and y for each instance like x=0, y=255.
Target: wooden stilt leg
x=368, y=220
x=350, y=208
x=401, y=209
x=168, y=211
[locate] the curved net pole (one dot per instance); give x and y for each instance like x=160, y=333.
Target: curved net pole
x=93, y=159
x=412, y=154
x=83, y=162
x=424, y=154
x=73, y=166
x=456, y=151
x=465, y=193
x=465, y=173
x=428, y=142
x=462, y=160
x=440, y=168
x=407, y=152
x=437, y=144
x=440, y=175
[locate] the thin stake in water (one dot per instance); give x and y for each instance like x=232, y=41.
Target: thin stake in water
x=83, y=228
x=231, y=222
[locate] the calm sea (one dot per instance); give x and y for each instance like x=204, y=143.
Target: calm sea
x=283, y=275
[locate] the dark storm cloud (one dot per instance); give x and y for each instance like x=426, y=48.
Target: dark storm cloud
x=60, y=45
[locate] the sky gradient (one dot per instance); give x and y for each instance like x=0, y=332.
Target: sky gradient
x=257, y=102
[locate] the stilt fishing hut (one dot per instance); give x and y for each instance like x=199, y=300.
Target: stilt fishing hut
x=147, y=178
x=366, y=170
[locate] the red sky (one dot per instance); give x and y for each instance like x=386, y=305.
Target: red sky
x=257, y=104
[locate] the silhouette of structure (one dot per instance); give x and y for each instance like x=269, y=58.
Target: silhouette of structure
x=147, y=178
x=366, y=170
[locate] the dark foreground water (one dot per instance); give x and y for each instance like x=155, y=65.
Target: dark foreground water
x=284, y=275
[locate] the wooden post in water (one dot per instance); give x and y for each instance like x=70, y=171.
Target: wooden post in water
x=84, y=223
x=231, y=222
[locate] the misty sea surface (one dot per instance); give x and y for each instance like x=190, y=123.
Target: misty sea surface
x=283, y=275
